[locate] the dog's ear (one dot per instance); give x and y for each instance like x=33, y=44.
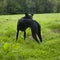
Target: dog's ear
x=26, y=14
x=32, y=14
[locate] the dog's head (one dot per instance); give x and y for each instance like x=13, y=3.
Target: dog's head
x=28, y=16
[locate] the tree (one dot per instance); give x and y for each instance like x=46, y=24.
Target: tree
x=58, y=7
x=30, y=6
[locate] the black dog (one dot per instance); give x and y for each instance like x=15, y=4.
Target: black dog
x=26, y=22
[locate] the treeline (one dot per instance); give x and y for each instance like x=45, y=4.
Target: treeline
x=30, y=6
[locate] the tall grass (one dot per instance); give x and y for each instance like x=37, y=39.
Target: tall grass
x=28, y=49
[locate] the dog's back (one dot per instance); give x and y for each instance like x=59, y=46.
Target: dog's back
x=23, y=24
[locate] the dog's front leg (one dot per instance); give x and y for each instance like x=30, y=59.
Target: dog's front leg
x=24, y=35
x=17, y=34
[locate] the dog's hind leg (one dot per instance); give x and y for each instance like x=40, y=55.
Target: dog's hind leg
x=34, y=34
x=39, y=33
x=40, y=37
x=17, y=35
x=35, y=37
x=24, y=35
x=38, y=30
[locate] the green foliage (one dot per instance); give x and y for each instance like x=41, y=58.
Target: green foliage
x=30, y=6
x=28, y=49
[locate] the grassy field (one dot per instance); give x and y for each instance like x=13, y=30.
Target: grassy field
x=28, y=49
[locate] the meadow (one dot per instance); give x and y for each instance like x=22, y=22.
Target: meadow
x=28, y=49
